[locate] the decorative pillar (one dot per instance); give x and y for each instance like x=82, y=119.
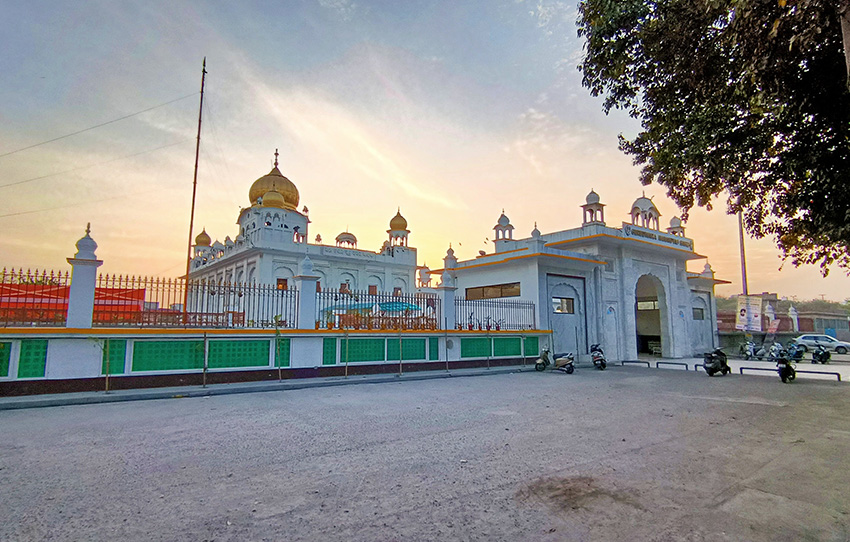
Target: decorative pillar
x=446, y=291
x=305, y=283
x=83, y=277
x=795, y=323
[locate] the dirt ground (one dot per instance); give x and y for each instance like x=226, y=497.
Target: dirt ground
x=624, y=454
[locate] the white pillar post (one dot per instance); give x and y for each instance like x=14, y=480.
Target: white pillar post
x=83, y=278
x=305, y=282
x=446, y=291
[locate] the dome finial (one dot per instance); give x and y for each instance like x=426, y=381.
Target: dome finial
x=275, y=157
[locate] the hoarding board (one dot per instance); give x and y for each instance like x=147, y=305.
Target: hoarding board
x=748, y=316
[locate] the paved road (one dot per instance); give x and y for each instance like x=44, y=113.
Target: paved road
x=624, y=454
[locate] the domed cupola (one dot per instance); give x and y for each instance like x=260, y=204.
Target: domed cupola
x=398, y=230
x=676, y=227
x=503, y=228
x=594, y=212
x=274, y=181
x=273, y=198
x=203, y=239
x=644, y=213
x=346, y=240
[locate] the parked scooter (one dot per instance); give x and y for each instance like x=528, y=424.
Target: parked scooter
x=820, y=354
x=563, y=362
x=598, y=357
x=795, y=352
x=748, y=350
x=776, y=351
x=715, y=362
x=786, y=368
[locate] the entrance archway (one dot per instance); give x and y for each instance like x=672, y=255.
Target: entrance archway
x=651, y=316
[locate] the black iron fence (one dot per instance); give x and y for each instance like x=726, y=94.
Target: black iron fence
x=33, y=298
x=346, y=309
x=494, y=314
x=157, y=302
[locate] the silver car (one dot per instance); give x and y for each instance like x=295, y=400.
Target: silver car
x=830, y=343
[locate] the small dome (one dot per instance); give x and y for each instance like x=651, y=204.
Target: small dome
x=275, y=181
x=592, y=198
x=450, y=252
x=273, y=198
x=398, y=223
x=504, y=220
x=86, y=246
x=675, y=222
x=644, y=204
x=346, y=237
x=535, y=233
x=203, y=240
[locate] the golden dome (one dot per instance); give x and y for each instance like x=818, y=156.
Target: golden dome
x=203, y=240
x=274, y=181
x=398, y=223
x=273, y=198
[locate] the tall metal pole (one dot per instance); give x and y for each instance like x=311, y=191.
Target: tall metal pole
x=743, y=257
x=194, y=192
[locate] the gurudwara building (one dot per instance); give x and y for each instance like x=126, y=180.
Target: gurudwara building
x=273, y=240
x=626, y=288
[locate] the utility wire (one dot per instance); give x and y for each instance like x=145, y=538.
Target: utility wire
x=80, y=203
x=97, y=164
x=98, y=125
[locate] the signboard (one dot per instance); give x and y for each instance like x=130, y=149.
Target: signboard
x=748, y=316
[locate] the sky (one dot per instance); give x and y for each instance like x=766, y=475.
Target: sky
x=449, y=111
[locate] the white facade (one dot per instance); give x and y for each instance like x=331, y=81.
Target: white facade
x=625, y=288
x=273, y=240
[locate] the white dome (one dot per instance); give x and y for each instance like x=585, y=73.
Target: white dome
x=592, y=198
x=346, y=237
x=643, y=204
x=503, y=220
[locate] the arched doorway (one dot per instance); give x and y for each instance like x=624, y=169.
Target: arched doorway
x=651, y=317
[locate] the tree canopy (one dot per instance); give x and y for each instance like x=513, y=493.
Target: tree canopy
x=745, y=100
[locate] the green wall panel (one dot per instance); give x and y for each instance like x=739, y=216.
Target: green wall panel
x=117, y=349
x=433, y=348
x=329, y=351
x=234, y=354
x=168, y=355
x=5, y=356
x=33, y=358
x=360, y=350
x=281, y=355
x=507, y=346
x=474, y=347
x=411, y=349
x=532, y=346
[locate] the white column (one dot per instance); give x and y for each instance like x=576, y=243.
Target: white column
x=83, y=277
x=305, y=283
x=446, y=291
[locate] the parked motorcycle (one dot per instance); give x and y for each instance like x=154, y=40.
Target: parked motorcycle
x=820, y=354
x=795, y=352
x=563, y=362
x=776, y=351
x=786, y=368
x=748, y=350
x=715, y=362
x=598, y=357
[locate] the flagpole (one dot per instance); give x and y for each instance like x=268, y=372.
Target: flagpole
x=194, y=192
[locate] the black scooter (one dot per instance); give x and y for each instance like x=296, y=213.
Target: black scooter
x=598, y=357
x=715, y=362
x=820, y=354
x=786, y=368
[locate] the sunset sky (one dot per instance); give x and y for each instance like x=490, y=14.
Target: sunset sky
x=450, y=111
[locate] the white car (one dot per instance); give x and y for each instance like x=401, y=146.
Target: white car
x=830, y=343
